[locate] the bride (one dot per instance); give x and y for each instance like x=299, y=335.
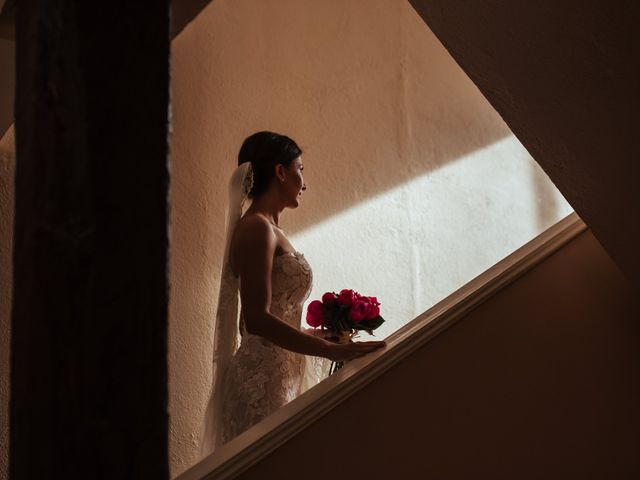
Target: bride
x=267, y=369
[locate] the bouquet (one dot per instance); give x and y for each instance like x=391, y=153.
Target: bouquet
x=343, y=316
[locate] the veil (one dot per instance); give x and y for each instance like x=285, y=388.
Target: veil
x=225, y=335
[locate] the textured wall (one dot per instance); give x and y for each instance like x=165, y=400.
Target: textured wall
x=564, y=76
x=7, y=168
x=415, y=183
x=540, y=381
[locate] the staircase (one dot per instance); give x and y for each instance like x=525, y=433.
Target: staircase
x=529, y=371
x=540, y=380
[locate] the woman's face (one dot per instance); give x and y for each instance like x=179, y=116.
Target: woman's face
x=293, y=185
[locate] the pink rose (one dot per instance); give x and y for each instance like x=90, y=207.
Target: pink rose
x=329, y=299
x=359, y=310
x=315, y=314
x=375, y=309
x=347, y=297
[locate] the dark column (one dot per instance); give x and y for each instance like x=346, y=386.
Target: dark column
x=89, y=321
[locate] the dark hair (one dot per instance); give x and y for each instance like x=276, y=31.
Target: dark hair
x=265, y=150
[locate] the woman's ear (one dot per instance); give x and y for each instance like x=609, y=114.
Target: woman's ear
x=280, y=174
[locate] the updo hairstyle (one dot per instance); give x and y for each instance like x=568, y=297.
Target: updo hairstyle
x=265, y=150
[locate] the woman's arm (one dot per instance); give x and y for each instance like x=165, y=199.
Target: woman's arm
x=257, y=242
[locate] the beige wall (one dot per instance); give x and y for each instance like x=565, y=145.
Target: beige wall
x=7, y=167
x=415, y=183
x=540, y=381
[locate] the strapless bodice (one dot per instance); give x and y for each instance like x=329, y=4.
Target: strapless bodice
x=262, y=376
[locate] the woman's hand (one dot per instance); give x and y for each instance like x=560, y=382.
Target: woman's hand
x=348, y=351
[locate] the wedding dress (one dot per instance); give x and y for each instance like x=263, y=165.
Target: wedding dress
x=262, y=377
x=252, y=379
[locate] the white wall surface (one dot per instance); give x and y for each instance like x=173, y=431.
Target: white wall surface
x=417, y=243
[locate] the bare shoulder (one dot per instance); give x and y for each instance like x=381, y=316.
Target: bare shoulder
x=254, y=230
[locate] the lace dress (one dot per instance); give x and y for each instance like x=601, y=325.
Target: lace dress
x=262, y=377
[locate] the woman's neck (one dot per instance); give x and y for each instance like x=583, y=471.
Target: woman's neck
x=268, y=209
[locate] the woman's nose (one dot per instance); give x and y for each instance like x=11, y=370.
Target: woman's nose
x=304, y=187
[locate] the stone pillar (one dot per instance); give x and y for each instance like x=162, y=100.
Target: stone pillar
x=89, y=320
